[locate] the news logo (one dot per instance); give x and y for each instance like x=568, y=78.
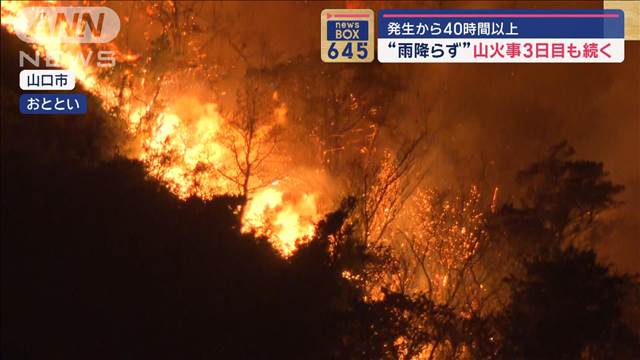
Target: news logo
x=347, y=35
x=52, y=28
x=69, y=24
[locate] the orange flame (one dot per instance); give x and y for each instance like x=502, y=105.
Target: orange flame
x=182, y=145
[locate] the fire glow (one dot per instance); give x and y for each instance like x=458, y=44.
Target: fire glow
x=188, y=144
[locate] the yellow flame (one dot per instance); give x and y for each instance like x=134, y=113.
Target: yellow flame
x=182, y=145
x=289, y=221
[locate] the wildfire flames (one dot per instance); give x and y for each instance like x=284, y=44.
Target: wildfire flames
x=440, y=256
x=188, y=145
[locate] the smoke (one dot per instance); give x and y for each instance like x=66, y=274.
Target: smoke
x=484, y=121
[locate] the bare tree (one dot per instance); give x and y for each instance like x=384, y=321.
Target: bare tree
x=445, y=246
x=386, y=182
x=252, y=136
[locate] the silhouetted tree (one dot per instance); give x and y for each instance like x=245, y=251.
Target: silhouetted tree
x=568, y=307
x=563, y=197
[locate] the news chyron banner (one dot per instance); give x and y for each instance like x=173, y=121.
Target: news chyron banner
x=500, y=36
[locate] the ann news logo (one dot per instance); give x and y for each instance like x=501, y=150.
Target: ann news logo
x=69, y=24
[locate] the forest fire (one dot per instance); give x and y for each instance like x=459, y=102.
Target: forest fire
x=225, y=192
x=194, y=158
x=188, y=144
x=193, y=154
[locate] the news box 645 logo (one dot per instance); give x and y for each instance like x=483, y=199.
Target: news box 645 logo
x=347, y=35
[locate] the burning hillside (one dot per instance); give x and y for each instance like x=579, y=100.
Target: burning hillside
x=228, y=194
x=185, y=142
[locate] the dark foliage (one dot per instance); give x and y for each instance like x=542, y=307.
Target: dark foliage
x=568, y=307
x=98, y=261
x=566, y=195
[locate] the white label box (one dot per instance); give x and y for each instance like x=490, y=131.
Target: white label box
x=47, y=79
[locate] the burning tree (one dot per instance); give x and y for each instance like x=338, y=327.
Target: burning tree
x=384, y=185
x=443, y=247
x=252, y=136
x=392, y=273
